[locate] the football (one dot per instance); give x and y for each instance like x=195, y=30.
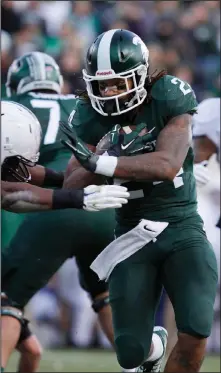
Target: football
x=127, y=129
x=131, y=128
x=104, y=144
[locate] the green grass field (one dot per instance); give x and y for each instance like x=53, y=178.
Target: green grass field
x=91, y=361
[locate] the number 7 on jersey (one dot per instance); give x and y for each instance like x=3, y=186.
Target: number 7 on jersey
x=54, y=118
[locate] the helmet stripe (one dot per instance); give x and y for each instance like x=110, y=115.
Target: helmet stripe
x=103, y=54
x=36, y=66
x=32, y=70
x=39, y=65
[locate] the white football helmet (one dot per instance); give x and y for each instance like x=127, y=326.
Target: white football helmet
x=20, y=141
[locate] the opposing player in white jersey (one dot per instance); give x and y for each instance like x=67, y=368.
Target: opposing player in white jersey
x=206, y=132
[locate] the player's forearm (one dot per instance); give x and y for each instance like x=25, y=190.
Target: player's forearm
x=172, y=146
x=23, y=197
x=46, y=177
x=37, y=175
x=156, y=166
x=80, y=178
x=171, y=149
x=77, y=177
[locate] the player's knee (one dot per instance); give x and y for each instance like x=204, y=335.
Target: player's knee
x=31, y=348
x=36, y=351
x=130, y=352
x=37, y=354
x=197, y=324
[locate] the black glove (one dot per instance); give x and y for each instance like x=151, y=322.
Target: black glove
x=115, y=149
x=85, y=157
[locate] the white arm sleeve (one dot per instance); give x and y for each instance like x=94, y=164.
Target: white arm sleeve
x=207, y=121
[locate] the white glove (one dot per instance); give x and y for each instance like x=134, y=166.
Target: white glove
x=201, y=173
x=100, y=197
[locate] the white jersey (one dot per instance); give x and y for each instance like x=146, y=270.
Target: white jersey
x=208, y=198
x=207, y=121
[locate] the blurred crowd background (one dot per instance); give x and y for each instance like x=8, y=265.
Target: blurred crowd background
x=182, y=36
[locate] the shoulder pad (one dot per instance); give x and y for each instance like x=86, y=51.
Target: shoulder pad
x=169, y=87
x=83, y=119
x=82, y=114
x=175, y=96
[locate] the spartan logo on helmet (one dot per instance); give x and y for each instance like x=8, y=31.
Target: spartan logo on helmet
x=137, y=40
x=16, y=65
x=117, y=54
x=33, y=71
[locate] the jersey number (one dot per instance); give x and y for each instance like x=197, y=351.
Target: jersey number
x=182, y=85
x=54, y=118
x=177, y=182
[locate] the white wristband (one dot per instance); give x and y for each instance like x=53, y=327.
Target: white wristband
x=106, y=165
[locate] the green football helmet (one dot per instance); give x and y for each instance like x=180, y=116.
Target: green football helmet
x=33, y=71
x=116, y=54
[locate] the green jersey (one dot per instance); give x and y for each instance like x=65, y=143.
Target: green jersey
x=50, y=109
x=166, y=200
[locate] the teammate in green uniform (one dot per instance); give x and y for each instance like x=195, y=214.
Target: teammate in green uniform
x=160, y=240
x=55, y=236
x=25, y=76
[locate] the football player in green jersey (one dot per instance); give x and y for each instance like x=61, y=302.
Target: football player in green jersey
x=28, y=74
x=160, y=240
x=47, y=233
x=34, y=80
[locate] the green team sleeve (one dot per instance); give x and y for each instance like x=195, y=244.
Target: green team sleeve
x=174, y=96
x=83, y=120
